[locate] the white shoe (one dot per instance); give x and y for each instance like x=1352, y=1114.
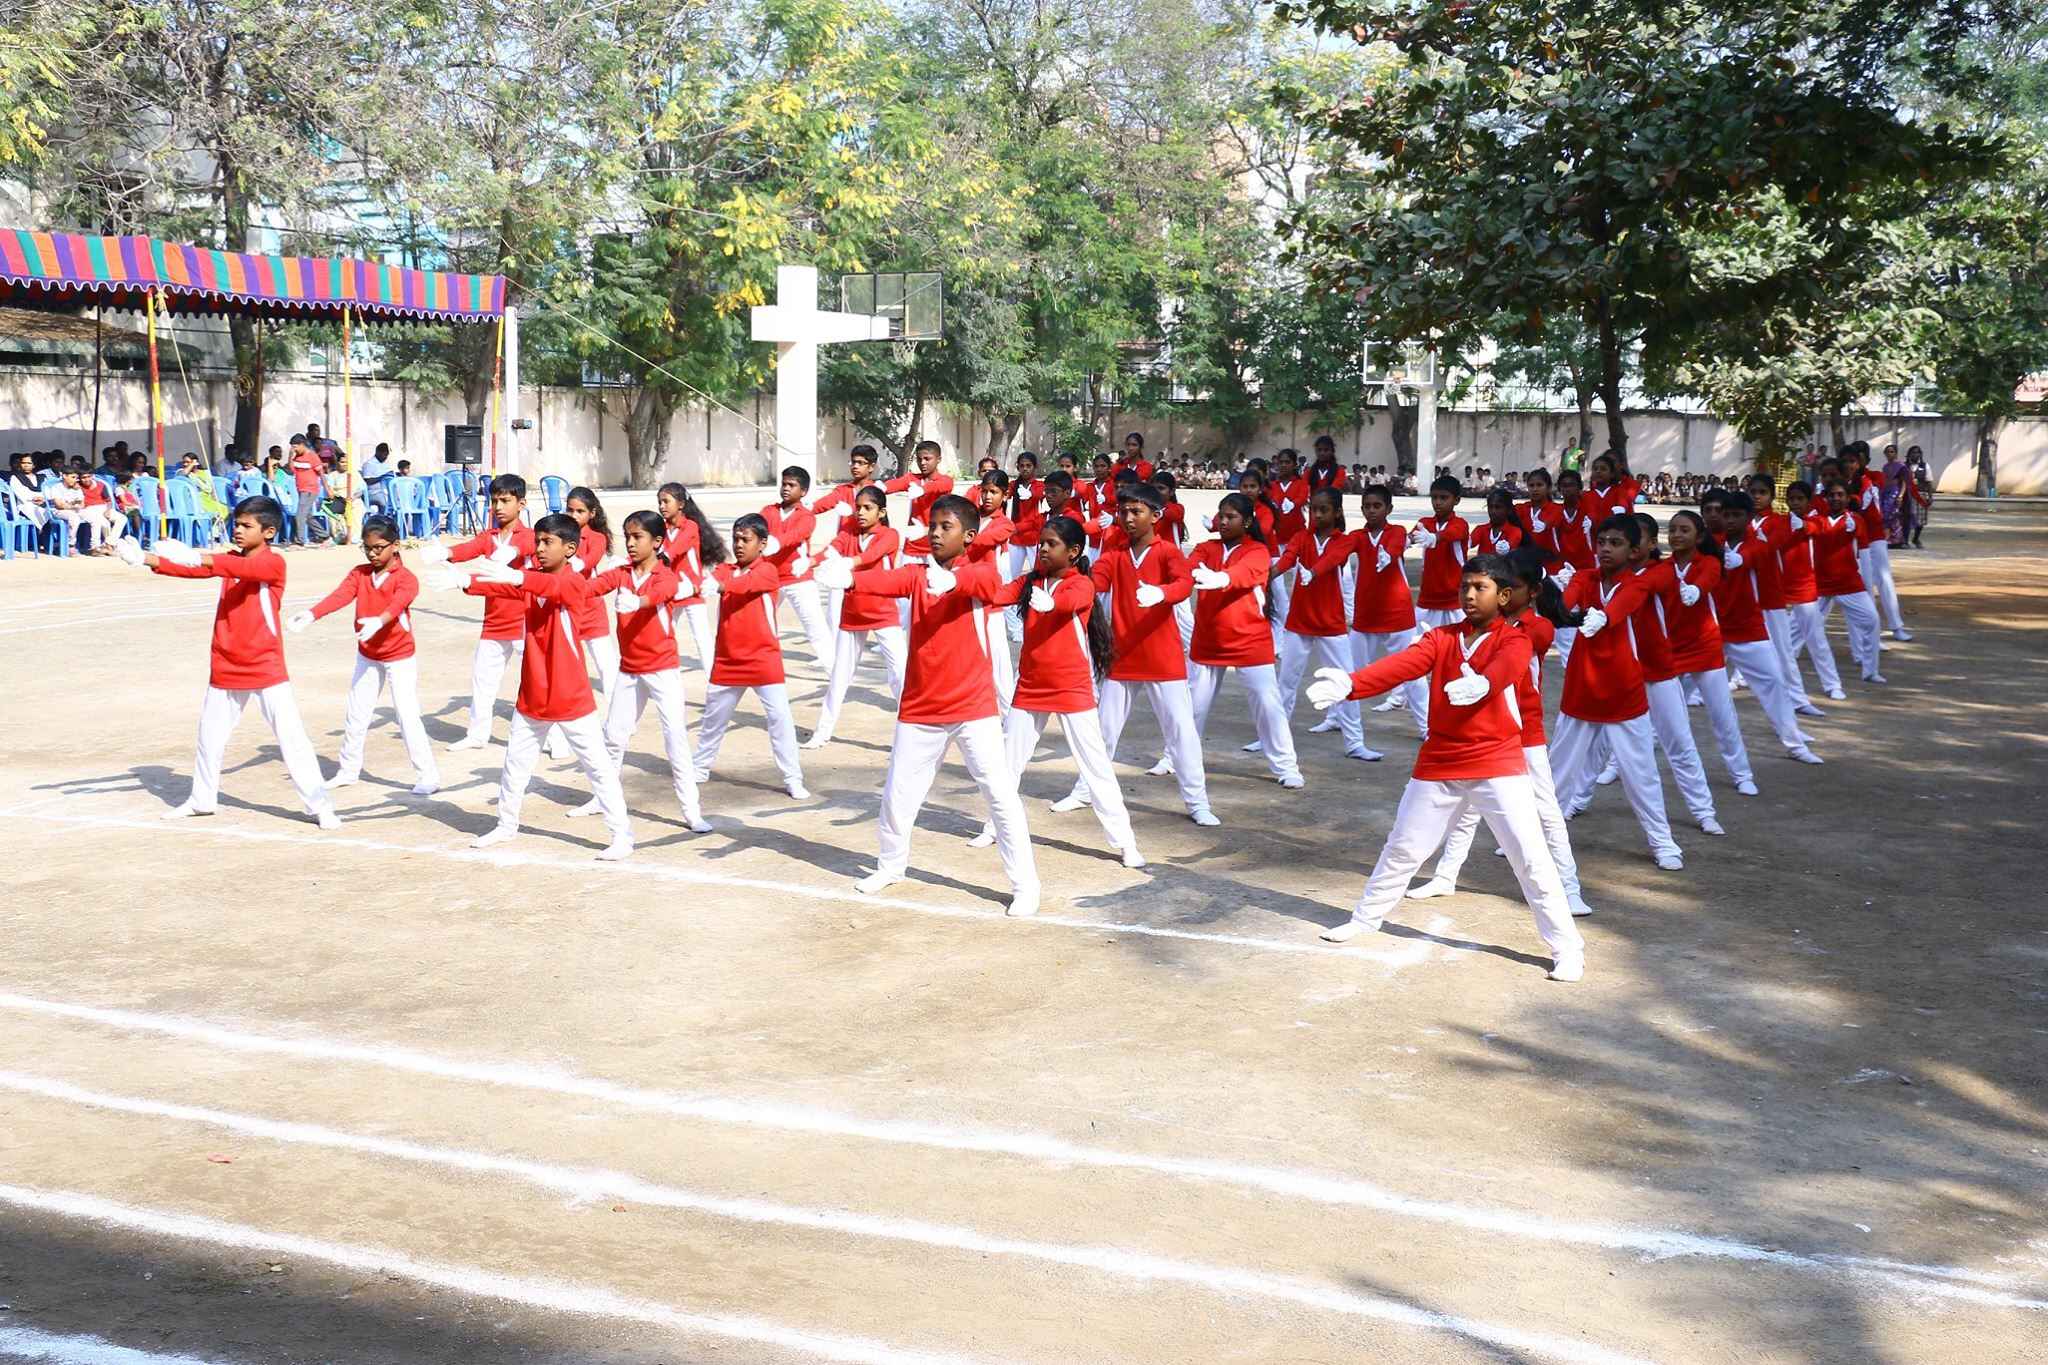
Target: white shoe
x=188, y=811
x=426, y=786
x=1323, y=726
x=1609, y=775
x=1024, y=903
x=344, y=780
x=798, y=791
x=1348, y=930
x=1071, y=801
x=1746, y=787
x=875, y=881
x=1579, y=907
x=1390, y=704
x=326, y=818
x=578, y=812
x=1255, y=747
x=491, y=838
x=470, y=742
x=1163, y=768
x=702, y=775
x=817, y=741
x=616, y=852
x=694, y=821
x=1568, y=967
x=986, y=837
x=1360, y=752
x=1805, y=755
x=1809, y=709
x=1903, y=635
x=1877, y=678
x=1204, y=816
x=1709, y=825
x=1431, y=889
x=1882, y=645
x=1696, y=701
x=1671, y=862
x=1133, y=858
x=1578, y=808
x=1837, y=694
x=1293, y=781
x=558, y=752
x=1500, y=853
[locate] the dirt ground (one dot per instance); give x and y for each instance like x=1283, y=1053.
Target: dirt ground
x=269, y=1094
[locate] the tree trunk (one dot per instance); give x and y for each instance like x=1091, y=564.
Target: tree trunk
x=246, y=333
x=1402, y=418
x=1609, y=387
x=1582, y=395
x=647, y=433
x=478, y=364
x=1003, y=426
x=1987, y=457
x=1836, y=434
x=913, y=425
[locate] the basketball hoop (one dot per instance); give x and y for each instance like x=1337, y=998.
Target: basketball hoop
x=905, y=351
x=914, y=302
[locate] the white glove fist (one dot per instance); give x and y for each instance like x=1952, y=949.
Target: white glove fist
x=1732, y=559
x=1590, y=627
x=1564, y=575
x=801, y=565
x=1104, y=521
x=1467, y=688
x=1536, y=524
x=129, y=553
x=1689, y=593
x=1150, y=594
x=1041, y=598
x=915, y=488
x=177, y=552
x=1304, y=575
x=685, y=590
x=508, y=553
x=491, y=571
x=367, y=627
x=298, y=621
x=1384, y=562
x=1426, y=539
x=914, y=531
x=937, y=581
x=626, y=601
x=445, y=579
x=1287, y=504
x=771, y=547
x=433, y=553
x=834, y=572
x=1208, y=579
x=1331, y=686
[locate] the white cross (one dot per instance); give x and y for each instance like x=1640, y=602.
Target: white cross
x=798, y=327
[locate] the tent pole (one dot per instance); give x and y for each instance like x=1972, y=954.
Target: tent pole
x=99, y=314
x=348, y=425
x=156, y=413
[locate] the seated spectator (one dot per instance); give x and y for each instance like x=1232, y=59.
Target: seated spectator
x=376, y=475
x=66, y=501
x=127, y=504
x=405, y=467
x=30, y=503
x=336, y=504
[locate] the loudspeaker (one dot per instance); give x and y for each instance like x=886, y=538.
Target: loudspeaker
x=464, y=445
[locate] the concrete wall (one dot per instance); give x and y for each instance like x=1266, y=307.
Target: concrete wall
x=578, y=433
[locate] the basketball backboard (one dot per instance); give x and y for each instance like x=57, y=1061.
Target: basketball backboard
x=914, y=301
x=1406, y=364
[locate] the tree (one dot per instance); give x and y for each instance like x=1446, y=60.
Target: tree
x=1563, y=357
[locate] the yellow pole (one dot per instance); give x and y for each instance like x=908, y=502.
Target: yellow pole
x=156, y=416
x=348, y=425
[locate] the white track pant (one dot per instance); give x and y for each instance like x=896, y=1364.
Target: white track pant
x=719, y=703
x=1861, y=618
x=1281, y=591
x=1874, y=562
x=1764, y=671
x=218, y=714
x=703, y=634
x=1574, y=764
x=1549, y=814
x=1567, y=636
x=914, y=758
x=486, y=672
x=846, y=656
x=1083, y=729
x=1784, y=635
x=803, y=598
x=664, y=692
x=585, y=738
x=601, y=653
x=1429, y=620
x=1269, y=713
x=1713, y=686
x=1331, y=651
x=1508, y=805
x=371, y=677
x=1673, y=727
x=1369, y=647
x=1810, y=632
x=1002, y=665
x=1174, y=705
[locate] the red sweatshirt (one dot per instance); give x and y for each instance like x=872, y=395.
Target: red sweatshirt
x=387, y=594
x=1603, y=682
x=504, y=617
x=1465, y=743
x=1619, y=496
x=1491, y=539
x=792, y=527
x=1760, y=550
x=1834, y=555
x=1231, y=630
x=936, y=487
x=554, y=680
x=1055, y=673
x=1795, y=564
x=682, y=544
x=647, y=640
x=1290, y=507
x=1381, y=604
x=1574, y=530
x=1443, y=564
x=991, y=543
x=1027, y=513
x=1695, y=632
x=248, y=651
x=591, y=622
x=749, y=650
x=1653, y=646
x=1147, y=638
x=1540, y=522
x=877, y=549
x=1529, y=689
x=1738, y=603
x=1317, y=607
x=949, y=679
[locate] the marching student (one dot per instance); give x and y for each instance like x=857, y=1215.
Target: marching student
x=1604, y=697
x=1540, y=515
x=991, y=545
x=926, y=486
x=1745, y=640
x=1574, y=525
x=1802, y=592
x=692, y=546
x=1776, y=538
x=1231, y=631
x=1697, y=652
x=1382, y=608
x=649, y=668
x=1838, y=581
x=1252, y=483
x=1324, y=471
x=790, y=528
x=1101, y=502
x=949, y=699
x=1315, y=615
x=1874, y=554
x=593, y=550
x=749, y=655
x=1027, y=514
x=554, y=680
x=1143, y=580
x=1442, y=537
x=864, y=617
x=382, y=591
x=1473, y=755
x=1614, y=489
x=507, y=540
x=1287, y=494
x=246, y=661
x=1533, y=604
x=861, y=463
x=1502, y=534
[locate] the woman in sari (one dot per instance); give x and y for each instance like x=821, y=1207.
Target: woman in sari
x=1892, y=496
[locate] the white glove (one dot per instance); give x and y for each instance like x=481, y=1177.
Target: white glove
x=1689, y=593
x=710, y=587
x=1536, y=525
x=685, y=590
x=1150, y=594
x=491, y=571
x=1732, y=560
x=1208, y=579
x=623, y=602
x=177, y=552
x=367, y=627
x=915, y=488
x=1425, y=539
x=771, y=547
x=1104, y=521
x=801, y=565
x=1304, y=575
x=834, y=572
x=1384, y=562
x=1467, y=688
x=504, y=554
x=129, y=553
x=937, y=581
x=610, y=562
x=1564, y=575
x=1590, y=627
x=1287, y=504
x=914, y=531
x=446, y=579
x=576, y=563
x=1331, y=686
x=1208, y=523
x=1041, y=599
x=433, y=553
x=298, y=621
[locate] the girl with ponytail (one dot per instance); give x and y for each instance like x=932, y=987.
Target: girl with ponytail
x=1233, y=630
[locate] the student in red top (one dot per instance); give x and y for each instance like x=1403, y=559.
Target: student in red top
x=1067, y=649
x=1027, y=514
x=749, y=655
x=1382, y=608
x=1780, y=538
x=1695, y=630
x=1836, y=534
x=991, y=546
x=593, y=555
x=865, y=618
x=554, y=680
x=1745, y=640
x=1232, y=632
x=861, y=464
x=1802, y=590
x=1540, y=514
x=926, y=486
x=1604, y=699
x=508, y=540
x=1143, y=580
x=248, y=655
x=382, y=590
x=1324, y=471
x=1443, y=539
x=1473, y=755
x=1098, y=501
x=308, y=472
x=949, y=698
x=1252, y=483
x=1874, y=554
x=791, y=526
x=1534, y=606
x=1316, y=614
x=1502, y=533
x=692, y=547
x=1614, y=489
x=1133, y=458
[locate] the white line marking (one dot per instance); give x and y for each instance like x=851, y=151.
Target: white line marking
x=550, y=1295
x=26, y=1343
x=1313, y=1186
x=589, y=1184
x=1393, y=954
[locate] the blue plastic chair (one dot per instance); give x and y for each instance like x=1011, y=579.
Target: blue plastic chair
x=145, y=487
x=189, y=521
x=442, y=496
x=16, y=532
x=409, y=504
x=555, y=489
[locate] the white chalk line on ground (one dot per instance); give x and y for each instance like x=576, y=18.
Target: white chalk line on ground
x=1316, y=1187
x=26, y=1343
x=591, y=1185
x=1392, y=955
x=549, y=1295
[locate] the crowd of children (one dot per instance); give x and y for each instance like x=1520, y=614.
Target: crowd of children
x=1107, y=595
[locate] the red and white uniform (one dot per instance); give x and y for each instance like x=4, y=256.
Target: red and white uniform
x=931, y=490
x=1497, y=538
x=749, y=657
x=1443, y=564
x=792, y=527
x=1573, y=530
x=1606, y=706
x=1465, y=742
x=949, y=679
x=1381, y=603
x=1695, y=631
x=1290, y=507
x=504, y=617
x=1541, y=522
x=864, y=618
x=385, y=658
x=1231, y=631
x=1317, y=607
x=1321, y=476
x=1619, y=496
x=1834, y=555
x=650, y=675
x=389, y=596
x=591, y=548
x=647, y=639
x=1746, y=636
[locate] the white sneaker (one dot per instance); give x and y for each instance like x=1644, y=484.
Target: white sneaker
x=1837, y=694
x=694, y=821
x=1163, y=768
x=1877, y=678
x=1323, y=726
x=1903, y=635
x=875, y=881
x=470, y=742
x=344, y=780
x=1393, y=703
x=188, y=811
x=1431, y=889
x=1293, y=781
x=986, y=837
x=1568, y=967
x=1809, y=709
x=817, y=741
x=1133, y=858
x=492, y=837
x=1348, y=930
x=426, y=786
x=798, y=791
x=1071, y=801
x=1709, y=825
x=1500, y=853
x=1746, y=787
x=1363, y=754
x=1255, y=747
x=1024, y=903
x=1695, y=701
x=1671, y=862
x=1609, y=775
x=1578, y=808
x=1204, y=816
x=558, y=752
x=1805, y=755
x=1579, y=907
x=326, y=818
x=578, y=812
x=616, y=852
